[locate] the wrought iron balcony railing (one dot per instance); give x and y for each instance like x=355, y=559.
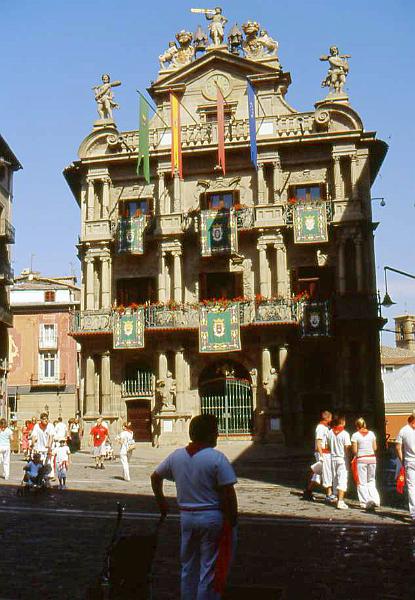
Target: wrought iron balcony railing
x=143, y=386
x=7, y=231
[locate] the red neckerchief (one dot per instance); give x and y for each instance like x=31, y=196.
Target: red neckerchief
x=43, y=426
x=195, y=447
x=337, y=429
x=364, y=431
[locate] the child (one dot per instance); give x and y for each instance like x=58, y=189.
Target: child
x=339, y=443
x=34, y=471
x=62, y=457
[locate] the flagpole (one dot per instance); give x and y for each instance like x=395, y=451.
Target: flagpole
x=183, y=106
x=153, y=109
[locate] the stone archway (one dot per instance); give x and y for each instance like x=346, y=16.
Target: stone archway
x=225, y=390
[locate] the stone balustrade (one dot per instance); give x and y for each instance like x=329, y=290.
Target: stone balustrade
x=91, y=321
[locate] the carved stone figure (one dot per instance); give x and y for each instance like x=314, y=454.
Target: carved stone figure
x=166, y=391
x=168, y=55
x=269, y=44
x=217, y=26
x=186, y=51
x=338, y=70
x=104, y=97
x=254, y=376
x=269, y=384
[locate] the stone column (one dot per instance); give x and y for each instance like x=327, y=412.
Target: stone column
x=106, y=383
x=89, y=385
x=338, y=183
x=359, y=263
x=89, y=283
x=176, y=193
x=341, y=267
x=162, y=276
x=180, y=380
x=354, y=175
x=105, y=197
x=177, y=276
x=105, y=282
x=276, y=180
x=266, y=363
x=84, y=198
x=281, y=267
x=90, y=199
x=161, y=192
x=263, y=270
x=261, y=184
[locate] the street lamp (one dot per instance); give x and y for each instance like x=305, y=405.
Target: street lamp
x=387, y=301
x=382, y=202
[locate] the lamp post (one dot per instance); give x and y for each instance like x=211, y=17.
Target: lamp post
x=387, y=301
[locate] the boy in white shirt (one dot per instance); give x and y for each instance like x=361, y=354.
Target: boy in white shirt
x=405, y=449
x=62, y=458
x=338, y=441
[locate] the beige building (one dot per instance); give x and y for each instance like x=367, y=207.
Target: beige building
x=299, y=267
x=43, y=362
x=8, y=165
x=405, y=332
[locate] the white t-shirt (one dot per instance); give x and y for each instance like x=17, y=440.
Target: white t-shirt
x=62, y=454
x=364, y=443
x=44, y=437
x=60, y=431
x=126, y=438
x=322, y=431
x=338, y=443
x=406, y=437
x=197, y=477
x=6, y=435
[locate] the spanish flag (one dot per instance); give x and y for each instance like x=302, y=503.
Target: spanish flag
x=176, y=142
x=220, y=107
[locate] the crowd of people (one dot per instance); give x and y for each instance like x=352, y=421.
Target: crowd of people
x=337, y=453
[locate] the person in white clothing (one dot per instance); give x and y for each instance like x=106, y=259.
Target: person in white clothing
x=6, y=435
x=208, y=508
x=126, y=440
x=405, y=449
x=364, y=450
x=338, y=441
x=62, y=459
x=321, y=469
x=61, y=430
x=42, y=438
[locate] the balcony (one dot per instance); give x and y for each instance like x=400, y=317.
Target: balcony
x=37, y=381
x=289, y=210
x=48, y=342
x=142, y=387
x=275, y=311
x=6, y=273
x=91, y=322
x=7, y=231
x=6, y=316
x=164, y=317
x=96, y=230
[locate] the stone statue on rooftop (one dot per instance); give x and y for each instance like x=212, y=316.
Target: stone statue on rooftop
x=338, y=70
x=178, y=56
x=104, y=97
x=168, y=55
x=257, y=43
x=217, y=26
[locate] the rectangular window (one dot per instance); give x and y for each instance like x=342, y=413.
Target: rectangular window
x=136, y=290
x=309, y=193
x=50, y=296
x=135, y=208
x=48, y=335
x=214, y=286
x=222, y=200
x=48, y=366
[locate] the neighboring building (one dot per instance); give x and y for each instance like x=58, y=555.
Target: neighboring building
x=394, y=358
x=282, y=255
x=8, y=165
x=399, y=391
x=43, y=357
x=405, y=332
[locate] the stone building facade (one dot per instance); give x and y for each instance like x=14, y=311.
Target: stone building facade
x=8, y=166
x=307, y=305
x=43, y=358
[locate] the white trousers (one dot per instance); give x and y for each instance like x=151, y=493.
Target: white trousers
x=323, y=476
x=5, y=459
x=339, y=471
x=366, y=490
x=410, y=482
x=200, y=534
x=125, y=466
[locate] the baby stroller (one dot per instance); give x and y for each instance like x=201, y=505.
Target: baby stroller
x=35, y=478
x=126, y=572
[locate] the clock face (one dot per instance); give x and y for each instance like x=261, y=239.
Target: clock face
x=212, y=84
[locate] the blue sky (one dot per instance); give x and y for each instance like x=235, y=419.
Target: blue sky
x=54, y=51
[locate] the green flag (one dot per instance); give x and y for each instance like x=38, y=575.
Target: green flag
x=143, y=141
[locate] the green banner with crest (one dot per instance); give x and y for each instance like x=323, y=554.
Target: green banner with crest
x=218, y=232
x=131, y=235
x=219, y=329
x=128, y=329
x=310, y=223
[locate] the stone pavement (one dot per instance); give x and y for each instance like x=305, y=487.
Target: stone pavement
x=53, y=544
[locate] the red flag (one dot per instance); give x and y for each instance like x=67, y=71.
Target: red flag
x=223, y=561
x=220, y=107
x=400, y=482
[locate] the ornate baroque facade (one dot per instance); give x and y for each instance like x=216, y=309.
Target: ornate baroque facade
x=302, y=275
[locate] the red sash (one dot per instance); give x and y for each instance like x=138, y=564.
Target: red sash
x=400, y=482
x=223, y=561
x=355, y=472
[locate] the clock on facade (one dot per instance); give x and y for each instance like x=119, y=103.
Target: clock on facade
x=212, y=84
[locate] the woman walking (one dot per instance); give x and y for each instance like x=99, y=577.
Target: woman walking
x=126, y=440
x=75, y=434
x=364, y=450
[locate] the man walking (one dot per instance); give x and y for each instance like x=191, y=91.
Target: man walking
x=98, y=435
x=42, y=438
x=6, y=435
x=321, y=470
x=405, y=449
x=208, y=508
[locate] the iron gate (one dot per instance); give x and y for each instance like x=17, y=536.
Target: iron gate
x=230, y=400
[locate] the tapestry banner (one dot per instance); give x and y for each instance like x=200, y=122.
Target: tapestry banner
x=129, y=329
x=218, y=232
x=315, y=319
x=310, y=223
x=219, y=329
x=131, y=235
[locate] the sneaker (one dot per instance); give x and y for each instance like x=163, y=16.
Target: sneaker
x=331, y=499
x=308, y=496
x=342, y=505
